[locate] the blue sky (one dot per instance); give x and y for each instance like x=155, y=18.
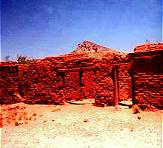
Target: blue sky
x=40, y=28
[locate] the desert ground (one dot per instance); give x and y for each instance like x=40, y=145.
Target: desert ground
x=79, y=126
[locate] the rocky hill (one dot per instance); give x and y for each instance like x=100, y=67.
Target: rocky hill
x=90, y=49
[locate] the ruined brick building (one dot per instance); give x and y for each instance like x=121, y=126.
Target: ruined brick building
x=90, y=71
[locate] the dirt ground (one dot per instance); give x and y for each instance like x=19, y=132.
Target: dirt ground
x=78, y=126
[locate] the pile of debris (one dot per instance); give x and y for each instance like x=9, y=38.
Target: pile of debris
x=15, y=115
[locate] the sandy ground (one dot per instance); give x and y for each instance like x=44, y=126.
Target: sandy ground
x=79, y=126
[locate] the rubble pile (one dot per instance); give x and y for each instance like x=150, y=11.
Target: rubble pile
x=15, y=115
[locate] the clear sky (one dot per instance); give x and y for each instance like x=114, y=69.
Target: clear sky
x=39, y=28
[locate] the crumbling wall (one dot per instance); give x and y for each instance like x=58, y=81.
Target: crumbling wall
x=124, y=81
x=40, y=83
x=53, y=80
x=89, y=84
x=104, y=83
x=56, y=80
x=8, y=83
x=104, y=88
x=74, y=76
x=148, y=78
x=71, y=87
x=148, y=47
